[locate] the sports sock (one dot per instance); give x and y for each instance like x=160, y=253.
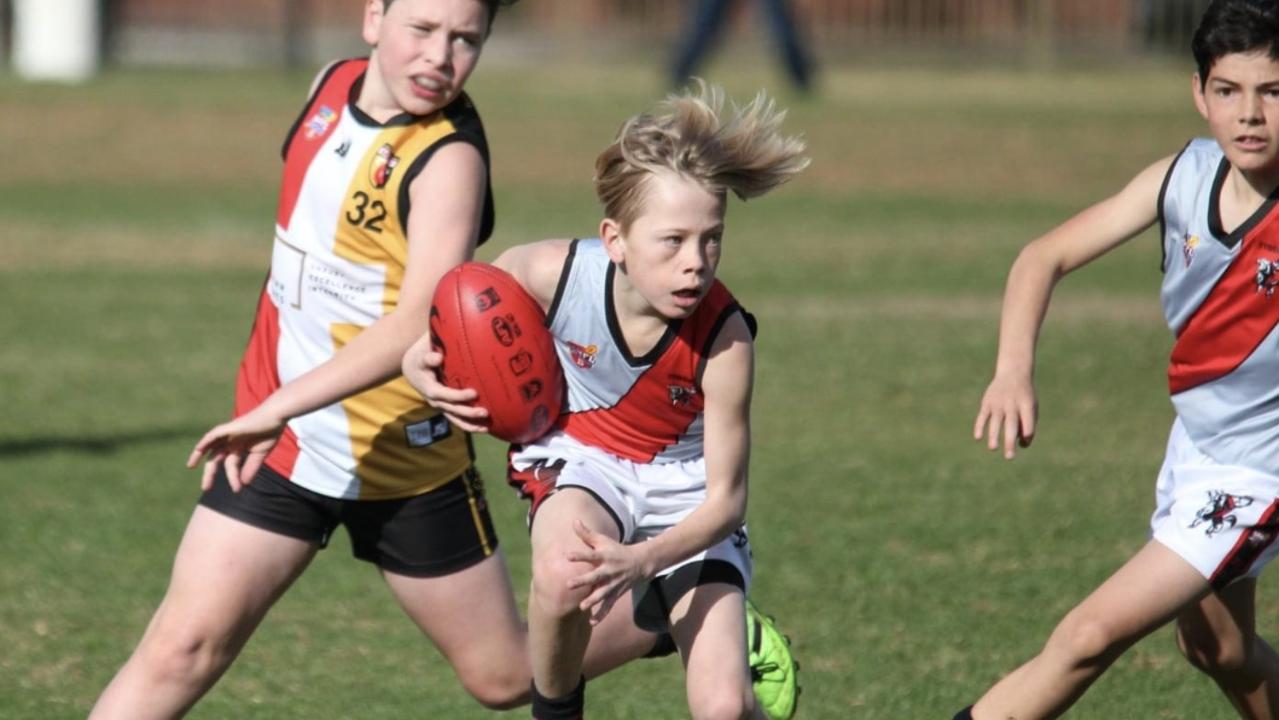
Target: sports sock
x=568, y=707
x=965, y=714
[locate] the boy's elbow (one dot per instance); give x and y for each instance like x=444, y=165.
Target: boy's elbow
x=1040, y=257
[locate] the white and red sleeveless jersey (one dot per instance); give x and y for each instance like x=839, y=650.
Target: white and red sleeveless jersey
x=644, y=409
x=337, y=267
x=1219, y=297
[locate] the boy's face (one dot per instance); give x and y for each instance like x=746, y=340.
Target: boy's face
x=424, y=50
x=672, y=248
x=1240, y=101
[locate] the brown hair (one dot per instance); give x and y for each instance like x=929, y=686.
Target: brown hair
x=490, y=5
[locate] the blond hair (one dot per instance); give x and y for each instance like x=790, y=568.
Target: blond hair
x=689, y=134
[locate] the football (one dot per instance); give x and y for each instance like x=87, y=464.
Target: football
x=494, y=339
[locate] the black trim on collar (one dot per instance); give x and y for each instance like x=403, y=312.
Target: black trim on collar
x=563, y=282
x=1215, y=227
x=404, y=118
x=615, y=329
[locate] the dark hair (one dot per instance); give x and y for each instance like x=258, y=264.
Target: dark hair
x=491, y=5
x=1235, y=26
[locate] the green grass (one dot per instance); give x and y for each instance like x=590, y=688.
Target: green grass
x=910, y=566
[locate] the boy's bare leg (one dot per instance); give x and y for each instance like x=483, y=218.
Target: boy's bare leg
x=472, y=618
x=558, y=630
x=1219, y=636
x=1148, y=591
x=709, y=626
x=226, y=575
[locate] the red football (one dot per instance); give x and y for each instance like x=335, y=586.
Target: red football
x=493, y=336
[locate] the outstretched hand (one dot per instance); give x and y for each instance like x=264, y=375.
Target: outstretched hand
x=615, y=569
x=240, y=446
x=420, y=367
x=1009, y=411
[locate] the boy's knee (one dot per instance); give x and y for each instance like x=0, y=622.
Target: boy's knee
x=551, y=575
x=185, y=656
x=497, y=687
x=1084, y=641
x=723, y=706
x=1213, y=655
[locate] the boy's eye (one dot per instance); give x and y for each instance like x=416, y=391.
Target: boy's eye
x=467, y=41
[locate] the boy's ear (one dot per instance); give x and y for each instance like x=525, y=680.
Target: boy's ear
x=1197, y=90
x=611, y=235
x=374, y=10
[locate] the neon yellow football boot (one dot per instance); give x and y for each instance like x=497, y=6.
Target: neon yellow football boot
x=773, y=669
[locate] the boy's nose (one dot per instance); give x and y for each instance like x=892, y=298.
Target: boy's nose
x=438, y=50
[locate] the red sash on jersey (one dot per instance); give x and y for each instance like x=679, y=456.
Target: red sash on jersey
x=665, y=400
x=315, y=124
x=1238, y=314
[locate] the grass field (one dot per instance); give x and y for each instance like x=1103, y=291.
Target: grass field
x=910, y=567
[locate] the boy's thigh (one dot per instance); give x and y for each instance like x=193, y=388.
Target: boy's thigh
x=708, y=624
x=227, y=574
x=727, y=563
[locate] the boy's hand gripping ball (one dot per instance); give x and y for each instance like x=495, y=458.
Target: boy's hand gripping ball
x=493, y=337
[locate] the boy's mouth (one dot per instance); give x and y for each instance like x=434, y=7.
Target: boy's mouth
x=1251, y=142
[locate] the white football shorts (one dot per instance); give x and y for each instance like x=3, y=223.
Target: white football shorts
x=1222, y=519
x=646, y=500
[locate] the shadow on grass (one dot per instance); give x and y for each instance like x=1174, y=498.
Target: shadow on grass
x=87, y=445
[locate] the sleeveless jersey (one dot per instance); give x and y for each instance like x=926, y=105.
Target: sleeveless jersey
x=1219, y=298
x=644, y=409
x=337, y=267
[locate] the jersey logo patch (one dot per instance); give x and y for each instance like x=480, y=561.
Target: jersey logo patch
x=1267, y=276
x=320, y=122
x=428, y=431
x=1218, y=514
x=680, y=395
x=383, y=163
x=1188, y=246
x=583, y=355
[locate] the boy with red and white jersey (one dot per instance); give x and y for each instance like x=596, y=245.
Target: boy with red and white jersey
x=385, y=188
x=1217, y=495
x=649, y=458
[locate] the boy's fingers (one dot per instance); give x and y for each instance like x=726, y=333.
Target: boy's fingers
x=1010, y=435
x=207, y=474
x=232, y=466
x=992, y=430
x=981, y=423
x=1027, y=427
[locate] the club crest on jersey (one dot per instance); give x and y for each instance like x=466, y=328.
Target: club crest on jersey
x=319, y=123
x=583, y=355
x=1188, y=246
x=383, y=163
x=1219, y=513
x=1267, y=276
x=681, y=395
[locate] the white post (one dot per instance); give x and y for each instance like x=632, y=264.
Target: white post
x=55, y=39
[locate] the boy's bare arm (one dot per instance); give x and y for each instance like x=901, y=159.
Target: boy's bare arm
x=1008, y=411
x=447, y=202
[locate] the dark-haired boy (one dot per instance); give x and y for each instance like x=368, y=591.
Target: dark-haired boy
x=1217, y=512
